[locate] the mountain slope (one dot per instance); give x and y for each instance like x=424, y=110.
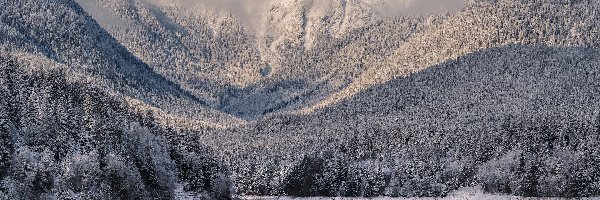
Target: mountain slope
x=63, y=139
x=306, y=55
x=275, y=64
x=305, y=98
x=203, y=53
x=463, y=114
x=62, y=32
x=486, y=25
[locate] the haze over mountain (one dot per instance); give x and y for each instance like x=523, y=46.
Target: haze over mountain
x=247, y=56
x=298, y=97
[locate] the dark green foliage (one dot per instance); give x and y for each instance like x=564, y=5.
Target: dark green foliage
x=302, y=181
x=5, y=143
x=200, y=172
x=556, y=168
x=150, y=155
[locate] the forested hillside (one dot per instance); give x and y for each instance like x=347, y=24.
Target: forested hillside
x=521, y=120
x=267, y=67
x=483, y=25
x=59, y=30
x=63, y=140
x=152, y=99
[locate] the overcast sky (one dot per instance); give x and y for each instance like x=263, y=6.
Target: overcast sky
x=388, y=7
x=248, y=11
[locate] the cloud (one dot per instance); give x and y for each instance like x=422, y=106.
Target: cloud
x=102, y=15
x=247, y=12
x=250, y=12
x=252, y=8
x=393, y=8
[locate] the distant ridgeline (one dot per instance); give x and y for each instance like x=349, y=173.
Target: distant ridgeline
x=63, y=140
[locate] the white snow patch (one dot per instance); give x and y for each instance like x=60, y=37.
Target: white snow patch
x=470, y=193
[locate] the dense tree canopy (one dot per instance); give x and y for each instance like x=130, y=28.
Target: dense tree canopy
x=70, y=140
x=134, y=99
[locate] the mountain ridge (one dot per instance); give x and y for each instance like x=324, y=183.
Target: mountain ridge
x=466, y=110
x=265, y=79
x=102, y=58
x=154, y=98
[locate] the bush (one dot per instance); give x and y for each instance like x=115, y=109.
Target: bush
x=124, y=180
x=81, y=175
x=561, y=176
x=459, y=173
x=515, y=173
x=495, y=175
x=559, y=173
x=200, y=173
x=151, y=157
x=304, y=177
x=365, y=179
x=31, y=175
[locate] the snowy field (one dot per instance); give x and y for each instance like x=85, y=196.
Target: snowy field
x=473, y=193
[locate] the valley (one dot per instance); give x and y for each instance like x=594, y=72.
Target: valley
x=158, y=99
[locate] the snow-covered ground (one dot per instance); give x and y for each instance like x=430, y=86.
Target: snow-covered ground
x=471, y=193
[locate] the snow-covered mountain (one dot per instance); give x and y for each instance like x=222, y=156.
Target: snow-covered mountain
x=290, y=56
x=274, y=61
x=486, y=25
x=61, y=33
x=299, y=97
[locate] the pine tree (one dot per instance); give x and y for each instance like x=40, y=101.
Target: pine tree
x=302, y=180
x=5, y=139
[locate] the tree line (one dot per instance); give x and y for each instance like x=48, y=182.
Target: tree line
x=63, y=139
